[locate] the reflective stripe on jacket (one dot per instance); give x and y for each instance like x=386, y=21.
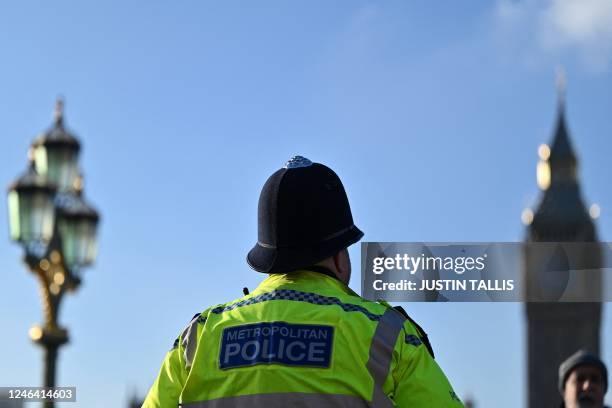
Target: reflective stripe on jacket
x=300, y=339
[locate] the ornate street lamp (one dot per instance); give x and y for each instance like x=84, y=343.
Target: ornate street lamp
x=49, y=217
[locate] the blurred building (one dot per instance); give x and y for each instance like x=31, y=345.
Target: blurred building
x=135, y=402
x=555, y=330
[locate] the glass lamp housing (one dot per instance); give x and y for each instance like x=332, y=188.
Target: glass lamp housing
x=31, y=209
x=77, y=225
x=56, y=156
x=58, y=162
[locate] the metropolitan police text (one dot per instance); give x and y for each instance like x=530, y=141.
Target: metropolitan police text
x=276, y=343
x=412, y=264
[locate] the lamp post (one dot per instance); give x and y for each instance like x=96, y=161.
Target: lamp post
x=49, y=217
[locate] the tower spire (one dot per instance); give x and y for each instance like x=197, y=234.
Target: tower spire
x=561, y=81
x=561, y=214
x=563, y=161
x=58, y=115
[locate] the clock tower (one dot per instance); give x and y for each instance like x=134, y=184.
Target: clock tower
x=555, y=330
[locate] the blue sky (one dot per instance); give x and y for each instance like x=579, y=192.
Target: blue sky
x=431, y=117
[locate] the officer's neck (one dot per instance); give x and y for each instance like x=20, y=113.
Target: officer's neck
x=335, y=267
x=325, y=271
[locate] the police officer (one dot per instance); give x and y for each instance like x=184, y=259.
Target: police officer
x=303, y=338
x=583, y=381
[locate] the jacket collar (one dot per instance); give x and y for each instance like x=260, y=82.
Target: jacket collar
x=303, y=280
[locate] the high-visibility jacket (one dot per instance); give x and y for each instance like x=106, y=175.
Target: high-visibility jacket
x=301, y=339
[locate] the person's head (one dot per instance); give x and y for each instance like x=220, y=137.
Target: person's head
x=583, y=381
x=304, y=218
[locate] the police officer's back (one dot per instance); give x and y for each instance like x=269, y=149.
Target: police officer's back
x=303, y=338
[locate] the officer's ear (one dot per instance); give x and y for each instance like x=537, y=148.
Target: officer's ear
x=342, y=262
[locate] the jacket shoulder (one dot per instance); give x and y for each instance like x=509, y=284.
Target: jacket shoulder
x=198, y=318
x=417, y=336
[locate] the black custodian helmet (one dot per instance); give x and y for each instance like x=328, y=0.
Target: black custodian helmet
x=303, y=217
